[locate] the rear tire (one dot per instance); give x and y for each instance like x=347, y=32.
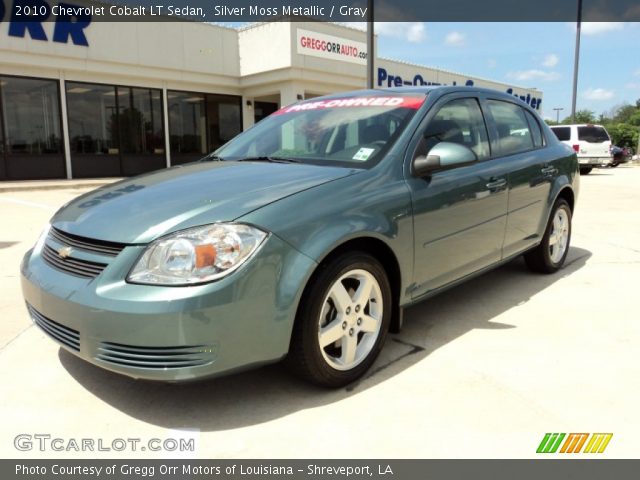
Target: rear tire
x=549, y=256
x=342, y=321
x=585, y=170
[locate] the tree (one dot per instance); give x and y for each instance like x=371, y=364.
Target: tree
x=582, y=116
x=635, y=119
x=624, y=113
x=623, y=135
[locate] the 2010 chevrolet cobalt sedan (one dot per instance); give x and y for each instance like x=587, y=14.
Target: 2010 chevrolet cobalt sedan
x=305, y=237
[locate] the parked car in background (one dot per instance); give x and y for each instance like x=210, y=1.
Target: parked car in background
x=619, y=155
x=305, y=237
x=591, y=143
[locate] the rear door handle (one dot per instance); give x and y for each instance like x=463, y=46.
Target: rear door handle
x=496, y=184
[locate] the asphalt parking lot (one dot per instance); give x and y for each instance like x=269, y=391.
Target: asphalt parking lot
x=482, y=371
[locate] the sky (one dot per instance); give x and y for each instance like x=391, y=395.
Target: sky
x=533, y=54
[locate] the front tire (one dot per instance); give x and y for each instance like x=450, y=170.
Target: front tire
x=585, y=170
x=549, y=256
x=342, y=321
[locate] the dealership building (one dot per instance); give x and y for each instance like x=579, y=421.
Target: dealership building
x=104, y=99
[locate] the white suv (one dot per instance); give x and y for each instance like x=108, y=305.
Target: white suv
x=591, y=142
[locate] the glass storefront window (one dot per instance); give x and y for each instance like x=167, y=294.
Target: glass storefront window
x=92, y=116
x=31, y=134
x=114, y=130
x=186, y=126
x=200, y=123
x=141, y=120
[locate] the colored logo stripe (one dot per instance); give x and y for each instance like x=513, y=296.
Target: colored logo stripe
x=598, y=442
x=574, y=443
x=550, y=443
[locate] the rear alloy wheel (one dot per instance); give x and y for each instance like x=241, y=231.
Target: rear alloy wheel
x=549, y=256
x=343, y=322
x=585, y=170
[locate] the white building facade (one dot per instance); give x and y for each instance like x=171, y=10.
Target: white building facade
x=100, y=99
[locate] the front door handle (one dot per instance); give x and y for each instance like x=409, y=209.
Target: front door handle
x=496, y=184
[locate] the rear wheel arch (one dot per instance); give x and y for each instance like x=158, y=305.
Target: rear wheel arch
x=568, y=195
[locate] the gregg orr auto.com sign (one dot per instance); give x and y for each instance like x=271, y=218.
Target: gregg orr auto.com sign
x=333, y=48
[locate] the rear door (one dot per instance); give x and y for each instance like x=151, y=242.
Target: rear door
x=459, y=213
x=518, y=143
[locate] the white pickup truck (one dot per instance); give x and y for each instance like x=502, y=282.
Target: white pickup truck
x=591, y=142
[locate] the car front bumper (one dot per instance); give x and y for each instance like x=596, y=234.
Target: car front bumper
x=170, y=333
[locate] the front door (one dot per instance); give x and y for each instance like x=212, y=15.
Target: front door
x=459, y=213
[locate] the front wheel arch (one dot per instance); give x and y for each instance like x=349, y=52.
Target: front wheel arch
x=385, y=255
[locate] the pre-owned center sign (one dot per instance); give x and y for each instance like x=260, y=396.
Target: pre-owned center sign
x=330, y=47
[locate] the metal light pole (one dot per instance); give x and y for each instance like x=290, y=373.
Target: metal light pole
x=576, y=63
x=370, y=46
x=558, y=109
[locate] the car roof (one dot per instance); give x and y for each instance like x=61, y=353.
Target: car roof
x=578, y=125
x=441, y=89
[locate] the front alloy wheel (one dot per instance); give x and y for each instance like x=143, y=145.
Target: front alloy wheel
x=350, y=319
x=342, y=321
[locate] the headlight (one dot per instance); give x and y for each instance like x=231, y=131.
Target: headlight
x=196, y=255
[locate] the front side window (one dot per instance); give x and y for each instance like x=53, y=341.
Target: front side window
x=459, y=121
x=351, y=131
x=514, y=135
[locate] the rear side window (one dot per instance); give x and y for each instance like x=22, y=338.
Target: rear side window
x=536, y=132
x=563, y=133
x=514, y=135
x=592, y=134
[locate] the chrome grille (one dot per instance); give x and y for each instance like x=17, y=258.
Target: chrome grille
x=156, y=357
x=71, y=265
x=88, y=244
x=64, y=335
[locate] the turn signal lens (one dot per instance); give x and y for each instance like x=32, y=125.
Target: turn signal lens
x=205, y=255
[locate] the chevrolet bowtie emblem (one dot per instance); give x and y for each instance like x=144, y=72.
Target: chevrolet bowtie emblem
x=64, y=252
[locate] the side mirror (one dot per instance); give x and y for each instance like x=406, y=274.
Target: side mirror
x=443, y=155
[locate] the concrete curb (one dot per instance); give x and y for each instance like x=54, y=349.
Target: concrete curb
x=34, y=185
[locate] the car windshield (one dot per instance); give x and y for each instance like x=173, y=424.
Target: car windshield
x=349, y=131
x=592, y=134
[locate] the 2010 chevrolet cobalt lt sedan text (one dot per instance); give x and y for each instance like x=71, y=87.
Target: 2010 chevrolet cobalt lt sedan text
x=304, y=237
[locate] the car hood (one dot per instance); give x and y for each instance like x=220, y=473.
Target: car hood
x=140, y=209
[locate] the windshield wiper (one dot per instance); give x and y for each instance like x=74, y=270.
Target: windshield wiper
x=268, y=159
x=212, y=158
